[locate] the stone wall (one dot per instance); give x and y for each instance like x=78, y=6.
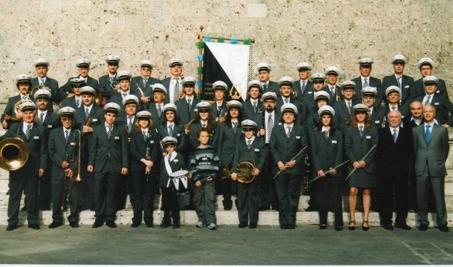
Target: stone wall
x=323, y=31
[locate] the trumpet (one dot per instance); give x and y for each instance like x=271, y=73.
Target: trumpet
x=78, y=178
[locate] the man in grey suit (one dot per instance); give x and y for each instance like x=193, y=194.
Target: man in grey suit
x=431, y=151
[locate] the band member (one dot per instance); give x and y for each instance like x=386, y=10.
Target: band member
x=426, y=65
x=171, y=162
x=26, y=178
x=108, y=159
x=432, y=96
x=376, y=112
x=144, y=149
x=204, y=119
x=317, y=80
x=156, y=107
x=124, y=88
x=326, y=153
x=343, y=108
x=264, y=75
x=393, y=96
x=431, y=151
x=248, y=148
x=399, y=79
x=286, y=92
x=366, y=80
x=186, y=105
x=172, y=128
x=253, y=107
x=360, y=148
x=48, y=120
x=41, y=80
x=204, y=167
x=332, y=73
x=108, y=82
x=230, y=133
x=415, y=117
x=10, y=116
x=219, y=108
x=63, y=147
x=142, y=84
x=321, y=99
x=83, y=69
x=303, y=85
x=266, y=187
x=287, y=141
x=127, y=116
x=394, y=151
x=173, y=83
x=87, y=116
x=74, y=101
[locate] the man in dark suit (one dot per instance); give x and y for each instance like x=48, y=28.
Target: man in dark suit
x=393, y=96
x=253, y=107
x=186, y=105
x=124, y=88
x=142, y=84
x=156, y=107
x=431, y=151
x=41, y=80
x=377, y=113
x=10, y=116
x=264, y=75
x=318, y=84
x=63, y=147
x=108, y=82
x=432, y=96
x=394, y=151
x=83, y=68
x=108, y=158
x=173, y=83
x=288, y=139
x=218, y=108
x=365, y=80
x=286, y=95
x=399, y=79
x=332, y=73
x=26, y=178
x=304, y=84
x=74, y=101
x=343, y=108
x=426, y=65
x=126, y=117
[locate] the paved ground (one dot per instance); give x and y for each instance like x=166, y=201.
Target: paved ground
x=228, y=245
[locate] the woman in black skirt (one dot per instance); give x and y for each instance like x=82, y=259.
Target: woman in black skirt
x=326, y=153
x=360, y=145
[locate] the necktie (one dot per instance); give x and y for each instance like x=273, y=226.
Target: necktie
x=326, y=133
x=427, y=133
x=176, y=91
x=87, y=112
x=124, y=95
x=286, y=99
x=145, y=81
x=428, y=100
x=189, y=104
x=28, y=130
x=394, y=136
x=129, y=123
x=249, y=143
x=393, y=108
x=109, y=131
x=66, y=134
x=41, y=117
x=361, y=131
x=145, y=135
x=349, y=107
x=159, y=110
x=400, y=82
x=365, y=82
x=254, y=106
x=288, y=131
x=234, y=125
x=170, y=130
x=303, y=86
x=265, y=87
x=270, y=126
x=77, y=101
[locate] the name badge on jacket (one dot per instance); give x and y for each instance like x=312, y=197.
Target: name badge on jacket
x=116, y=138
x=368, y=137
x=297, y=136
x=334, y=142
x=36, y=137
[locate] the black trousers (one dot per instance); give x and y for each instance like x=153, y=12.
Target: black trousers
x=267, y=193
x=248, y=203
x=288, y=191
x=24, y=180
x=393, y=186
x=58, y=193
x=105, y=184
x=328, y=198
x=142, y=196
x=45, y=190
x=170, y=205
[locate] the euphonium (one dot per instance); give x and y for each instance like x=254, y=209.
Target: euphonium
x=13, y=153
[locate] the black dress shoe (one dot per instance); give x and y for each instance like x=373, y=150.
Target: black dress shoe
x=310, y=208
x=242, y=225
x=403, y=226
x=338, y=227
x=423, y=227
x=74, y=224
x=111, y=224
x=253, y=225
x=227, y=204
x=165, y=224
x=11, y=227
x=322, y=226
x=55, y=224
x=291, y=226
x=98, y=223
x=443, y=228
x=34, y=226
x=149, y=224
x=283, y=226
x=387, y=227
x=135, y=224
x=176, y=225
x=264, y=208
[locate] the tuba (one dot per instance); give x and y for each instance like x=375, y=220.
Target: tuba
x=245, y=172
x=13, y=153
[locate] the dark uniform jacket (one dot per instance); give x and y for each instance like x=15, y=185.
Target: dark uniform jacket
x=326, y=152
x=228, y=140
x=143, y=148
x=407, y=87
x=176, y=164
x=52, y=84
x=372, y=82
x=393, y=158
x=255, y=154
x=186, y=114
